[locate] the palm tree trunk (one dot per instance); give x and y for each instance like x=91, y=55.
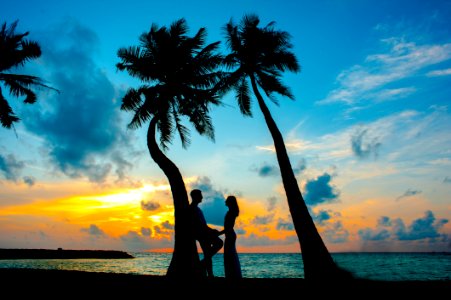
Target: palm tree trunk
x=318, y=263
x=185, y=259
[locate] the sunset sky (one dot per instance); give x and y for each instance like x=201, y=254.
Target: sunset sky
x=368, y=133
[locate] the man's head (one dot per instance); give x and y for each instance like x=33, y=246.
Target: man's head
x=196, y=196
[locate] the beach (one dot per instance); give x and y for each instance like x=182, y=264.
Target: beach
x=63, y=283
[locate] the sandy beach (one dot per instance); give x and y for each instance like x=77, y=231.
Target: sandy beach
x=59, y=284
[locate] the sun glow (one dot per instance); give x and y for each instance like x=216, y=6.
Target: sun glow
x=129, y=197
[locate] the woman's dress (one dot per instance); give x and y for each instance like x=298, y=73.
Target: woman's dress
x=232, y=265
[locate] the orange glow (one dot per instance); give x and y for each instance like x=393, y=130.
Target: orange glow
x=115, y=213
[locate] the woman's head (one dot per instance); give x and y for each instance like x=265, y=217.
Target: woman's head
x=233, y=205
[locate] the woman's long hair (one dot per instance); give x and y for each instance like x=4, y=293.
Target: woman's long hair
x=233, y=205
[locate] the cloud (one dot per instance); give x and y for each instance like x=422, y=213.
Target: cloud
x=284, y=225
x=320, y=190
x=167, y=225
x=263, y=220
x=363, y=145
x=213, y=204
x=81, y=125
x=321, y=217
x=402, y=60
x=122, y=166
x=165, y=229
x=367, y=234
x=422, y=228
x=409, y=193
x=336, y=233
x=134, y=241
x=29, y=180
x=149, y=205
x=435, y=73
x=262, y=240
x=300, y=166
x=384, y=221
x=266, y=170
x=381, y=233
x=272, y=203
x=94, y=230
x=146, y=231
x=10, y=167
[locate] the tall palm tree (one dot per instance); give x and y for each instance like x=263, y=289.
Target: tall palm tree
x=178, y=75
x=260, y=55
x=15, y=51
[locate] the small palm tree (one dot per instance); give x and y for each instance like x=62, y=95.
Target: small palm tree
x=15, y=51
x=260, y=55
x=178, y=75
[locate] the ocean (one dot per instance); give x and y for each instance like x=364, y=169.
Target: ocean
x=376, y=266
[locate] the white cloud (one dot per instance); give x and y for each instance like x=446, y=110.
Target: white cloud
x=403, y=60
x=436, y=73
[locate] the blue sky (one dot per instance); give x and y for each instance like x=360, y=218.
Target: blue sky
x=368, y=134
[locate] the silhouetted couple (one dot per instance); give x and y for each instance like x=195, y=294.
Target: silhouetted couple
x=209, y=239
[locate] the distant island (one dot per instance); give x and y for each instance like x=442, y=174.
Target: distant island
x=61, y=254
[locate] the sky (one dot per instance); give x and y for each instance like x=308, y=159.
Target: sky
x=368, y=133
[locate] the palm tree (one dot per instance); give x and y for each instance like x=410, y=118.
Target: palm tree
x=260, y=55
x=15, y=51
x=178, y=75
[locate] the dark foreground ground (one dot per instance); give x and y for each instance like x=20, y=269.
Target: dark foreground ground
x=56, y=284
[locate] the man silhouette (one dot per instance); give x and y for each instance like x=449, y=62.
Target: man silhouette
x=208, y=237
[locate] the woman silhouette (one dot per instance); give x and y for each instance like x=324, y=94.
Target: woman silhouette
x=232, y=266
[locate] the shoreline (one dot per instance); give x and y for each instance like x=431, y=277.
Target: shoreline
x=62, y=254
x=52, y=282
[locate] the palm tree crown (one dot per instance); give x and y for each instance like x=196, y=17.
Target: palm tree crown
x=15, y=51
x=179, y=74
x=259, y=53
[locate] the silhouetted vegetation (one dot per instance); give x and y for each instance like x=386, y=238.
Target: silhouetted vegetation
x=15, y=51
x=260, y=55
x=178, y=73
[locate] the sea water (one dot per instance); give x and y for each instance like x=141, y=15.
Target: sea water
x=376, y=266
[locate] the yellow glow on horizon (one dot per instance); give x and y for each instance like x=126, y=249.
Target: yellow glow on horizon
x=115, y=212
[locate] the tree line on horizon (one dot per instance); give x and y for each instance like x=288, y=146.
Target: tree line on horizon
x=182, y=77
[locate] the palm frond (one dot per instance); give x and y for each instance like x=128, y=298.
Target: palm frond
x=178, y=28
x=7, y=116
x=272, y=84
x=131, y=100
x=243, y=98
x=182, y=130
x=202, y=122
x=165, y=127
x=141, y=116
x=19, y=85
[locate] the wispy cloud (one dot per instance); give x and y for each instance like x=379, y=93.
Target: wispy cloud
x=362, y=146
x=409, y=193
x=369, y=81
x=10, y=167
x=436, y=73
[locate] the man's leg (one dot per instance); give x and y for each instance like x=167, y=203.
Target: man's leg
x=216, y=245
x=207, y=261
